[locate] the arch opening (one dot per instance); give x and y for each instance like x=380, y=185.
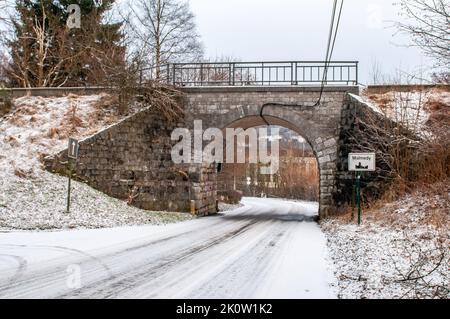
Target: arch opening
x=298, y=174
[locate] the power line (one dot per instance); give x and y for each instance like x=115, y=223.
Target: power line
x=329, y=54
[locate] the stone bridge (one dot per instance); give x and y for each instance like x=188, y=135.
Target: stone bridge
x=131, y=160
x=321, y=126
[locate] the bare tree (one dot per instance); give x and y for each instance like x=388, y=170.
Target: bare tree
x=423, y=273
x=5, y=6
x=376, y=75
x=5, y=23
x=428, y=23
x=165, y=30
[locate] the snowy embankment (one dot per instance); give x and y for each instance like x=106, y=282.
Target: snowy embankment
x=412, y=109
x=402, y=248
x=31, y=198
x=400, y=251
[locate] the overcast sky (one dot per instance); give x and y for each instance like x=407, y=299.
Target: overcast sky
x=253, y=30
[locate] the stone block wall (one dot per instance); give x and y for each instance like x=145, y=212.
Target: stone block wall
x=132, y=161
x=5, y=102
x=355, y=113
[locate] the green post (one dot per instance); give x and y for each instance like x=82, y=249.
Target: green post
x=353, y=200
x=358, y=196
x=69, y=187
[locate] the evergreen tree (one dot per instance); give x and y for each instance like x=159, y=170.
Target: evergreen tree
x=46, y=53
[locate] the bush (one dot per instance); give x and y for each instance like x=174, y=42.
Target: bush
x=230, y=197
x=5, y=103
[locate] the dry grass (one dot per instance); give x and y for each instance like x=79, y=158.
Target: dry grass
x=382, y=100
x=439, y=112
x=427, y=205
x=53, y=133
x=12, y=141
x=22, y=173
x=107, y=102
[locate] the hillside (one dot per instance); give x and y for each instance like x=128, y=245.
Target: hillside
x=31, y=198
x=401, y=249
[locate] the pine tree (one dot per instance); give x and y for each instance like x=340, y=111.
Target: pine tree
x=47, y=53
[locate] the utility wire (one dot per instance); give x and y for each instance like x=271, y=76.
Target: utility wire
x=329, y=55
x=330, y=51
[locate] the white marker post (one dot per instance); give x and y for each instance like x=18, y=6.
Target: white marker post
x=72, y=155
x=359, y=163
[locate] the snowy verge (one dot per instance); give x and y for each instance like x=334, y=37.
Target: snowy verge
x=224, y=207
x=40, y=204
x=400, y=251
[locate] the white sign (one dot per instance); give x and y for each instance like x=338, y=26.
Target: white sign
x=73, y=148
x=362, y=162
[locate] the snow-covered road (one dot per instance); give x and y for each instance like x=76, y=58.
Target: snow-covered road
x=266, y=249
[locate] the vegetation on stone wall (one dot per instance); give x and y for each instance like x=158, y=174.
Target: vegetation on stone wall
x=408, y=155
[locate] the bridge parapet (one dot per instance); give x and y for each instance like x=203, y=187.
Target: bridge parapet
x=271, y=73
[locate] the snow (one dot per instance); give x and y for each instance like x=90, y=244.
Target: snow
x=41, y=126
x=371, y=260
x=412, y=109
x=266, y=249
x=224, y=207
x=31, y=198
x=367, y=102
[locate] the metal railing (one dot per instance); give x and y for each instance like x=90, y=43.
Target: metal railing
x=254, y=73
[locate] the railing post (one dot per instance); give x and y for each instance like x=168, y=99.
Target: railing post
x=357, y=73
x=234, y=74
x=292, y=73
x=262, y=77
x=173, y=75
x=229, y=74
x=201, y=74
x=168, y=73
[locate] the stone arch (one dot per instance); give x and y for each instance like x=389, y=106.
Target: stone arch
x=320, y=124
x=326, y=163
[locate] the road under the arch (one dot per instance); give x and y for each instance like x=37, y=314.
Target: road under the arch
x=267, y=249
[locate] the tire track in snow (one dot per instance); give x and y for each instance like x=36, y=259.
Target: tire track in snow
x=52, y=274
x=129, y=279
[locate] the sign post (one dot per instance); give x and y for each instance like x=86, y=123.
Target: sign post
x=72, y=155
x=358, y=195
x=359, y=163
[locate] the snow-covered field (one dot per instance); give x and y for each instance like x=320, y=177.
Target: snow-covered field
x=400, y=251
x=266, y=249
x=31, y=198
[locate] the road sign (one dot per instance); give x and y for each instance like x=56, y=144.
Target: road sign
x=359, y=163
x=73, y=148
x=362, y=162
